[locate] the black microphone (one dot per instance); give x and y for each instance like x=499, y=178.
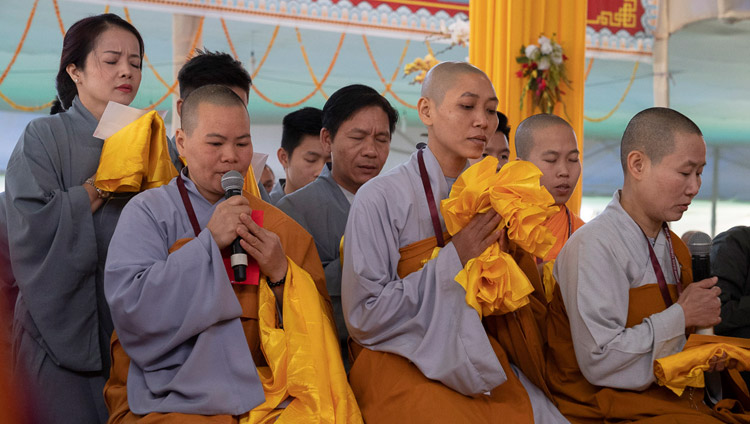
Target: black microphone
x=699, y=245
x=232, y=183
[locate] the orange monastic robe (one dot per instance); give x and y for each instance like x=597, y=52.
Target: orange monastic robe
x=562, y=225
x=389, y=388
x=582, y=402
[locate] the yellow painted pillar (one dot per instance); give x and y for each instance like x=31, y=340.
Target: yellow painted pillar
x=498, y=30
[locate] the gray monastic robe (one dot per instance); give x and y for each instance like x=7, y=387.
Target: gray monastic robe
x=322, y=209
x=174, y=154
x=596, y=269
x=176, y=314
x=423, y=317
x=58, y=250
x=8, y=288
x=277, y=192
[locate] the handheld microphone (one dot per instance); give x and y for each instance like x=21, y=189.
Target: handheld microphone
x=232, y=183
x=699, y=245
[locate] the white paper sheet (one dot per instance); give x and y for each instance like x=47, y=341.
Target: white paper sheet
x=258, y=163
x=117, y=116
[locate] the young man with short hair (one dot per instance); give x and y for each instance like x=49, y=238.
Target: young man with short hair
x=301, y=152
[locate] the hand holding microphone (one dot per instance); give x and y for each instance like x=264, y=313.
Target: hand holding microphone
x=231, y=224
x=700, y=304
x=232, y=183
x=226, y=219
x=699, y=245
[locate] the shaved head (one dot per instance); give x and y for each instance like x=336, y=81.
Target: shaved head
x=652, y=131
x=218, y=95
x=443, y=76
x=524, y=139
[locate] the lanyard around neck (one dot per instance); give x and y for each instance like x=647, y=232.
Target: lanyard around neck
x=660, y=279
x=188, y=205
x=430, y=199
x=570, y=221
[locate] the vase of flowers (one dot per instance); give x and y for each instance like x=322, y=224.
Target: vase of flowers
x=543, y=70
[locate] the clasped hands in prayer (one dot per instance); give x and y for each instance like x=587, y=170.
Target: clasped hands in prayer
x=231, y=219
x=478, y=235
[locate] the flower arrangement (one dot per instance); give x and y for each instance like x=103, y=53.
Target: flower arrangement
x=543, y=68
x=458, y=32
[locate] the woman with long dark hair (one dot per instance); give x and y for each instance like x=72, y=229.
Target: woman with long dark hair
x=59, y=225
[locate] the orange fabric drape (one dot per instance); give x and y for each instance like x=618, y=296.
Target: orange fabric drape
x=498, y=30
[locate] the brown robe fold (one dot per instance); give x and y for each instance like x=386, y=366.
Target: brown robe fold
x=582, y=402
x=391, y=389
x=298, y=246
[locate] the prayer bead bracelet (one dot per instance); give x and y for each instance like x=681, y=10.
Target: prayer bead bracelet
x=99, y=192
x=276, y=284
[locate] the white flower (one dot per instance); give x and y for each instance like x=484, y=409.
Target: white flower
x=543, y=40
x=546, y=48
x=459, y=31
x=556, y=47
x=557, y=57
x=544, y=63
x=532, y=52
